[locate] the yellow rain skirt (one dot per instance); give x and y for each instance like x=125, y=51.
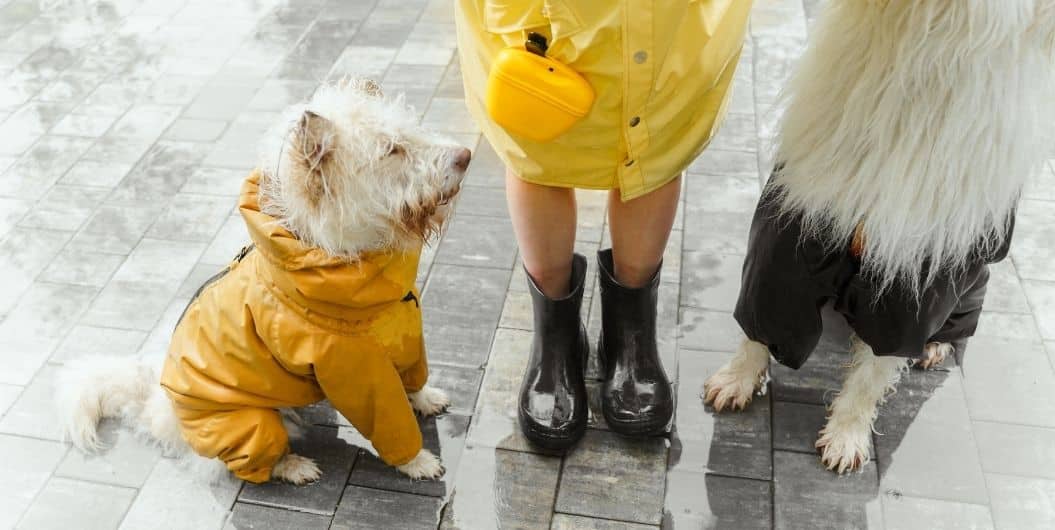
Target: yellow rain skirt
x=661, y=72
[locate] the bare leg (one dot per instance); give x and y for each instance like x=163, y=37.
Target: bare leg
x=544, y=222
x=640, y=229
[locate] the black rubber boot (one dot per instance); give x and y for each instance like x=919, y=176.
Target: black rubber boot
x=553, y=407
x=636, y=397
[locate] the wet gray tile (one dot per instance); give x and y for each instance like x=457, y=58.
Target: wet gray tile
x=444, y=436
x=1021, y=502
x=161, y=172
x=197, y=277
x=461, y=383
x=1041, y=297
x=1032, y=253
x=461, y=307
x=482, y=201
x=737, y=133
x=221, y=101
x=710, y=281
x=63, y=208
x=924, y=443
x=230, y=240
x=114, y=230
x=732, y=194
x=277, y=94
x=32, y=176
x=96, y=173
x=478, y=242
x=215, y=181
x=911, y=513
x=370, y=61
x=335, y=458
x=129, y=305
x=87, y=125
x=697, y=500
x=192, y=218
x=65, y=503
x=706, y=330
x=795, y=426
x=8, y=395
x=254, y=517
x=817, y=381
x=159, y=261
x=27, y=466
x=715, y=232
x=486, y=169
x=33, y=328
x=82, y=268
x=606, y=475
x=364, y=508
x=195, y=130
x=449, y=115
x=33, y=414
x=808, y=496
x=23, y=254
x=1009, y=381
x=1013, y=326
x=1004, y=292
x=715, y=162
x=502, y=489
x=574, y=522
x=126, y=460
x=1016, y=449
x=731, y=443
x=173, y=495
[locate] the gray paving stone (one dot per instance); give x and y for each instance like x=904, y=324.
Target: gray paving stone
x=609, y=476
x=42, y=165
x=1042, y=299
x=364, y=508
x=815, y=382
x=82, y=268
x=1005, y=293
x=461, y=307
x=705, y=330
x=254, y=517
x=27, y=465
x=1021, y=502
x=482, y=201
x=486, y=168
x=697, y=500
x=909, y=513
x=716, y=162
x=129, y=305
x=502, y=489
x=715, y=232
x=924, y=443
x=8, y=395
x=1009, y=381
x=221, y=101
x=1032, y=252
x=569, y=522
x=192, y=218
x=125, y=461
x=159, y=261
x=795, y=426
x=731, y=443
x=478, y=242
x=216, y=181
x=161, y=172
x=334, y=457
x=462, y=385
x=87, y=125
x=737, y=133
x=195, y=130
x=723, y=194
x=808, y=496
x=114, y=229
x=1016, y=449
x=444, y=436
x=96, y=173
x=174, y=498
x=1012, y=326
x=65, y=503
x=64, y=208
x=371, y=62
x=710, y=281
x=33, y=414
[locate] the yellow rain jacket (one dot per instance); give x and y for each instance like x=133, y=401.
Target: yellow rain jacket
x=661, y=71
x=286, y=325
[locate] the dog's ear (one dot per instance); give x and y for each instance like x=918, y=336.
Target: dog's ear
x=313, y=142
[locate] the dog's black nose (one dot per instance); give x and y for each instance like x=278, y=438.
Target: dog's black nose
x=461, y=158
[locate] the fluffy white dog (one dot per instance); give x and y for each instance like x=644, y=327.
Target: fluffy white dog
x=910, y=129
x=323, y=305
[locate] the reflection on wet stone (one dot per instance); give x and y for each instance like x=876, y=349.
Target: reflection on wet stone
x=502, y=489
x=697, y=500
x=444, y=436
x=368, y=509
x=809, y=496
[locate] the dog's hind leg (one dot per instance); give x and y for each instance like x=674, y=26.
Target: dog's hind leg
x=735, y=384
x=844, y=441
x=296, y=469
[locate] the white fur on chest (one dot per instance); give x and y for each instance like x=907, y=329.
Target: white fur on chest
x=921, y=121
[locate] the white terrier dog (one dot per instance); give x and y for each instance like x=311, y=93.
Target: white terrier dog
x=323, y=306
x=910, y=130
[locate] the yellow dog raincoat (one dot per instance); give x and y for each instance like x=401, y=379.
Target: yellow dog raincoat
x=286, y=325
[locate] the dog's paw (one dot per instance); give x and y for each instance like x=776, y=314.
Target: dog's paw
x=424, y=466
x=844, y=446
x=731, y=388
x=934, y=354
x=296, y=469
x=429, y=401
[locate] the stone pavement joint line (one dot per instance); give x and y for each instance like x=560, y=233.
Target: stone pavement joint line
x=126, y=127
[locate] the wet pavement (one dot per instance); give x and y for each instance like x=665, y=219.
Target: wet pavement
x=125, y=130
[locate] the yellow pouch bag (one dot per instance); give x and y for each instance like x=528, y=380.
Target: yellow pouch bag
x=534, y=96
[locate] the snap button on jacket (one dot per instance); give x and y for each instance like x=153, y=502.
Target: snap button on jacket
x=288, y=326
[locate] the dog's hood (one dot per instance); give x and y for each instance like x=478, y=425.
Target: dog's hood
x=323, y=283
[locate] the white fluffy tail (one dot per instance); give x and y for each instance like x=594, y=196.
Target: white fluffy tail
x=92, y=388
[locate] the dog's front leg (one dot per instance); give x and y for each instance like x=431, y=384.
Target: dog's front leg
x=735, y=384
x=844, y=440
x=429, y=401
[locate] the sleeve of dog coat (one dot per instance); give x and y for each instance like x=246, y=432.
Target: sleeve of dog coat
x=370, y=394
